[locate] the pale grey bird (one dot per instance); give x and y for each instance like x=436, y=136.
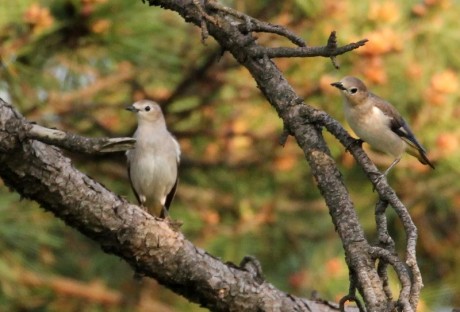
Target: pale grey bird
x=153, y=163
x=378, y=123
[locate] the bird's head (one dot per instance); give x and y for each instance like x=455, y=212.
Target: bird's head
x=146, y=110
x=353, y=89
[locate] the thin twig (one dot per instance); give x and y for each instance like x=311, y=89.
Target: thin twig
x=76, y=143
x=332, y=45
x=389, y=195
x=251, y=24
x=401, y=272
x=305, y=51
x=385, y=241
x=204, y=17
x=351, y=296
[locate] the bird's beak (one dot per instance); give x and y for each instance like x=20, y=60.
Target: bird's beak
x=338, y=85
x=131, y=108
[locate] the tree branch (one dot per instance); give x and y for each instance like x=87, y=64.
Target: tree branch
x=76, y=143
x=250, y=24
x=324, y=51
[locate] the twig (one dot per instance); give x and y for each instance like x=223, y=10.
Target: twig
x=204, y=17
x=386, y=242
x=332, y=45
x=254, y=25
x=76, y=143
x=351, y=296
x=389, y=195
x=305, y=51
x=402, y=273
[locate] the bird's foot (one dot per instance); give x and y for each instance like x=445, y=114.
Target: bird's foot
x=380, y=177
x=174, y=224
x=358, y=142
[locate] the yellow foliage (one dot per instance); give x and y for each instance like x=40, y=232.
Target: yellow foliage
x=38, y=17
x=386, y=11
x=381, y=41
x=101, y=26
x=445, y=82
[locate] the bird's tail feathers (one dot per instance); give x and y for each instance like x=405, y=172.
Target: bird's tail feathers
x=420, y=154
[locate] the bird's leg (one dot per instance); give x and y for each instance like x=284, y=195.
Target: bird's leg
x=385, y=173
x=164, y=212
x=175, y=224
x=142, y=200
x=394, y=163
x=380, y=177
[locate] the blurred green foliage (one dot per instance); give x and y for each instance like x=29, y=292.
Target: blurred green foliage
x=74, y=65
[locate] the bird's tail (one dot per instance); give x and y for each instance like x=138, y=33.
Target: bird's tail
x=420, y=154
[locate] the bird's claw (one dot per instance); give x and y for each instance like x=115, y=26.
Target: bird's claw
x=379, y=179
x=174, y=224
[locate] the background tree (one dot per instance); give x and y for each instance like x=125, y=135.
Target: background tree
x=74, y=65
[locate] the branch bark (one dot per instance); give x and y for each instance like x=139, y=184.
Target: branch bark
x=76, y=143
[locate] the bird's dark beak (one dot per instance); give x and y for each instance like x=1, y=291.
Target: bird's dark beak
x=131, y=108
x=338, y=85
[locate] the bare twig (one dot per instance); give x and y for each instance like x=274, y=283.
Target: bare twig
x=388, y=194
x=332, y=45
x=76, y=143
x=204, y=17
x=402, y=273
x=385, y=241
x=324, y=51
x=283, y=137
x=251, y=24
x=351, y=296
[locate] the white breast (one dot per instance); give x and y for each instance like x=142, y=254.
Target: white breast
x=153, y=166
x=373, y=126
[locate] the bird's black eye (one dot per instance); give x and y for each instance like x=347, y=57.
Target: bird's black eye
x=353, y=90
x=147, y=108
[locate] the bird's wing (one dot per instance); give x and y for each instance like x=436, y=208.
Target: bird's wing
x=399, y=126
x=177, y=147
x=172, y=193
x=132, y=186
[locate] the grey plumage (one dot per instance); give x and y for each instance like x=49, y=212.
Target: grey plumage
x=378, y=123
x=153, y=163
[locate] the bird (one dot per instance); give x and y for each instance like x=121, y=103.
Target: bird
x=378, y=123
x=154, y=160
